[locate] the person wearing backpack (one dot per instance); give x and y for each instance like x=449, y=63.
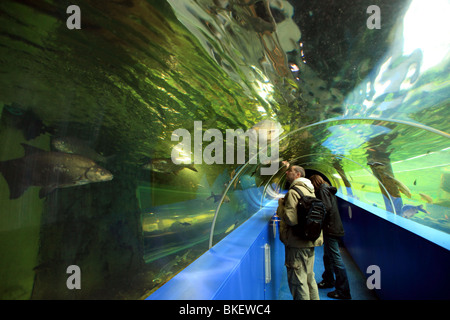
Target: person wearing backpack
x=299, y=253
x=333, y=230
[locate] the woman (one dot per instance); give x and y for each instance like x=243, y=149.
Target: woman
x=333, y=230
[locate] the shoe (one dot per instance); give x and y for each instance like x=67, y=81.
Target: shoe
x=335, y=295
x=324, y=285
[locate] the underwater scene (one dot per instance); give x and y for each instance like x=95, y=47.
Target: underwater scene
x=137, y=134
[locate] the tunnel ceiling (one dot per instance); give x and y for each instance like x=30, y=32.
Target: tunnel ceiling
x=337, y=43
x=329, y=41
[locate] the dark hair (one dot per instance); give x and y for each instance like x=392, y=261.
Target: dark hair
x=317, y=180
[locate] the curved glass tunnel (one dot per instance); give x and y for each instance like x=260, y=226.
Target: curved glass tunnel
x=88, y=119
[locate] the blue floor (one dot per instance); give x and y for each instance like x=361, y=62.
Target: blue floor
x=357, y=281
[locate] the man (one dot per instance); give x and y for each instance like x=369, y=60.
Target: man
x=299, y=253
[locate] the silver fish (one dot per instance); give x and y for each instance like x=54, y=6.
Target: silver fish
x=50, y=170
x=163, y=165
x=76, y=146
x=375, y=164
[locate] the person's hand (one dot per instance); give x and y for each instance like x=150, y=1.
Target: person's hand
x=280, y=201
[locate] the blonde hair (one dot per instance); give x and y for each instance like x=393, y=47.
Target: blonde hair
x=317, y=180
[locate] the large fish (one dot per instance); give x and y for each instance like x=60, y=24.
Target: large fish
x=163, y=165
x=49, y=170
x=409, y=210
x=401, y=187
x=404, y=189
x=76, y=146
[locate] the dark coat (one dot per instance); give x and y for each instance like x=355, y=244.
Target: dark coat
x=332, y=224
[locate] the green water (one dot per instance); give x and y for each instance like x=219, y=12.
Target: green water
x=138, y=70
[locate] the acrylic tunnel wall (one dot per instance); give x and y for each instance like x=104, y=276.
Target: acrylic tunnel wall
x=97, y=101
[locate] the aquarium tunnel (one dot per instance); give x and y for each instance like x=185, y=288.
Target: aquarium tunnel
x=144, y=144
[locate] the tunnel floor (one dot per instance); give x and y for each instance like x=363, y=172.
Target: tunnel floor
x=357, y=281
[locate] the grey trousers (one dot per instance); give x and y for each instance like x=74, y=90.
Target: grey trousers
x=300, y=273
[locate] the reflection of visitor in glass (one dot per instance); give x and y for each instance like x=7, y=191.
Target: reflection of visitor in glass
x=333, y=230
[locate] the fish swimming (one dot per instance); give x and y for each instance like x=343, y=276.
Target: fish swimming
x=404, y=189
x=230, y=228
x=401, y=187
x=426, y=197
x=409, y=210
x=49, y=170
x=375, y=164
x=76, y=146
x=232, y=174
x=162, y=165
x=168, y=269
x=217, y=197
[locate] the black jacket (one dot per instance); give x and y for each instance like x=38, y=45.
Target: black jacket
x=333, y=224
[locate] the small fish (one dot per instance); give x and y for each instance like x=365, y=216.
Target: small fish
x=415, y=182
x=217, y=197
x=49, y=170
x=183, y=258
x=236, y=181
x=375, y=164
x=232, y=174
x=231, y=228
x=166, y=165
x=426, y=197
x=76, y=146
x=166, y=271
x=409, y=210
